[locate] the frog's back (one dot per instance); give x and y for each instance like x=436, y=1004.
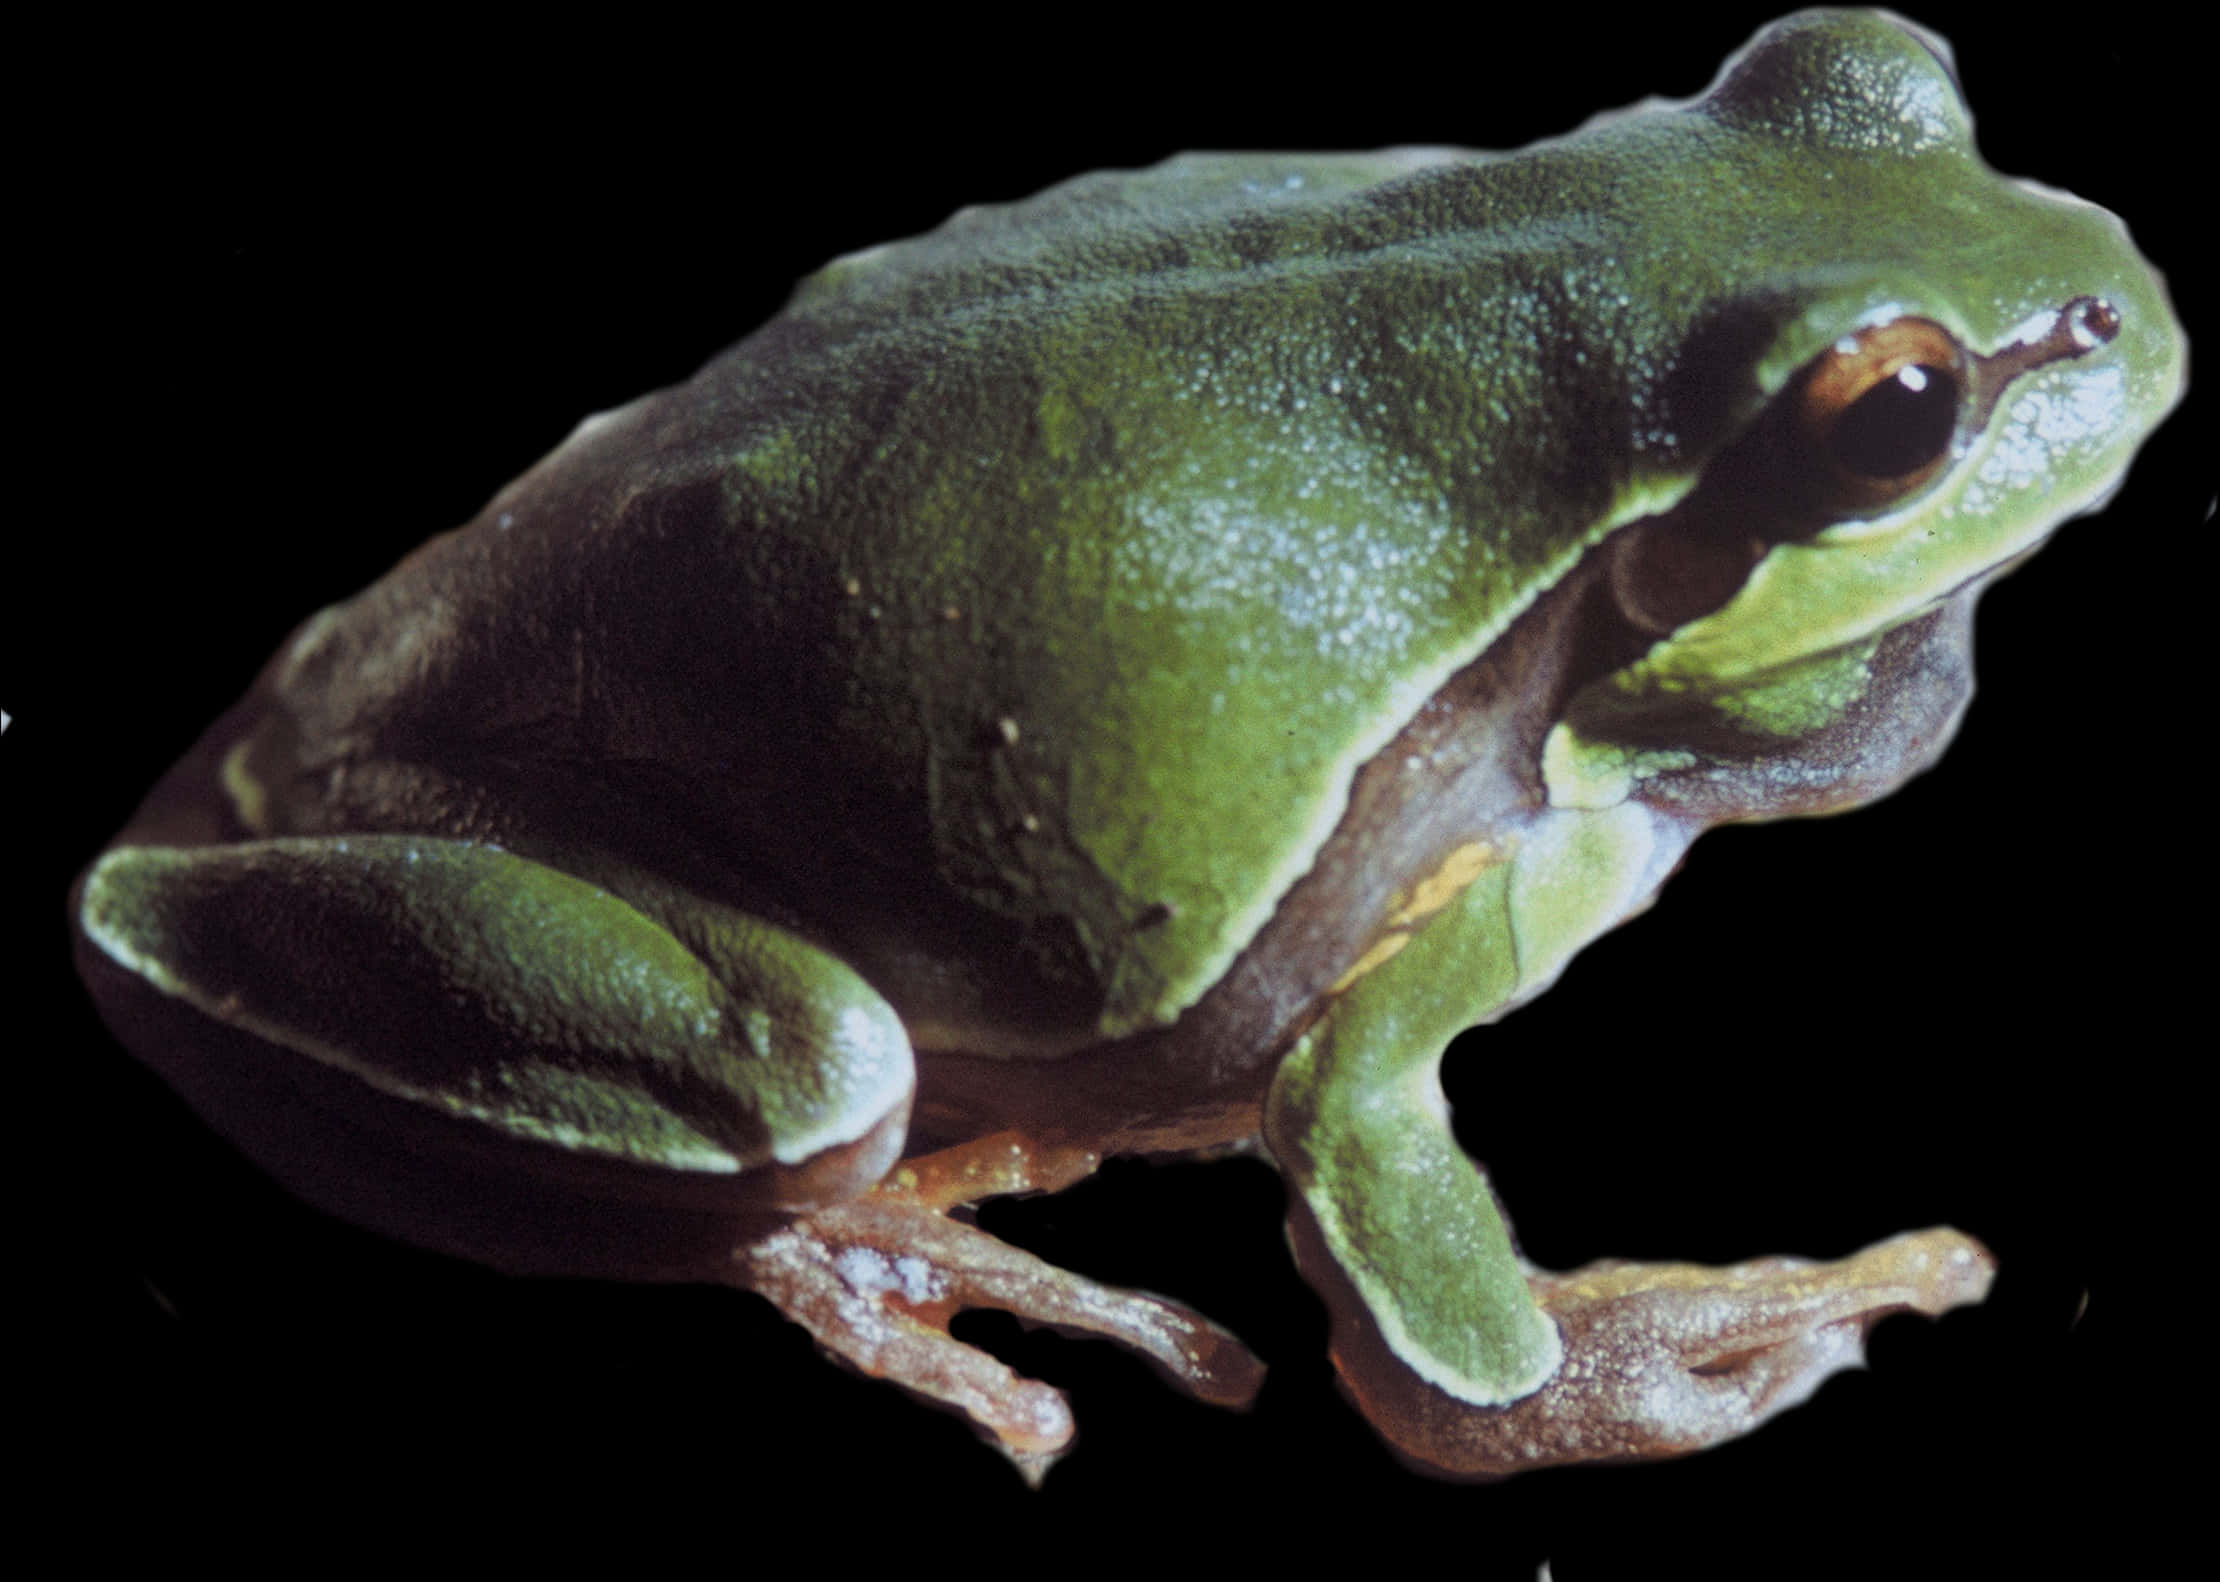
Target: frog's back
x=1057, y=571
x=966, y=573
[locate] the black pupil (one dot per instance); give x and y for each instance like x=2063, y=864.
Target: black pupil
x=1898, y=426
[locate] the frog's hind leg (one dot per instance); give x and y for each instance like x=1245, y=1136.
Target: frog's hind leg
x=877, y=1280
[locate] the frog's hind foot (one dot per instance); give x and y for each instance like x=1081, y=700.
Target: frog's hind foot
x=876, y=1281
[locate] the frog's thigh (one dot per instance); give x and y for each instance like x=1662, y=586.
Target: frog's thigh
x=1357, y=1120
x=508, y=1000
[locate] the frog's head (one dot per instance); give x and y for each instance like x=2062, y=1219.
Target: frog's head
x=1895, y=380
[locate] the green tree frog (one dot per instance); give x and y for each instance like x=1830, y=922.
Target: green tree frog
x=1137, y=671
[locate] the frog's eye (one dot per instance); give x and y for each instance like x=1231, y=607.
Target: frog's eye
x=1867, y=424
x=1878, y=410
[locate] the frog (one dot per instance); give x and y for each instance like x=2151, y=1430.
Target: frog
x=1136, y=672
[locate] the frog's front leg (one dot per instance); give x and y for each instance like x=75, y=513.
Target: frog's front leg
x=1460, y=1353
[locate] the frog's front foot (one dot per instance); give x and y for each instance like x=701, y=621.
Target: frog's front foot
x=876, y=1281
x=1663, y=1359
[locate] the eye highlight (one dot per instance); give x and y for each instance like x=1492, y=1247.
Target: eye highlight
x=1878, y=410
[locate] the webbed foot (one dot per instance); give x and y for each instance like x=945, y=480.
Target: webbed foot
x=876, y=1281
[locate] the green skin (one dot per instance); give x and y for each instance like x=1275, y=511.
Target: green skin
x=1028, y=652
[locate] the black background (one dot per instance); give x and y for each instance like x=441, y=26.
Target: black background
x=318, y=296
